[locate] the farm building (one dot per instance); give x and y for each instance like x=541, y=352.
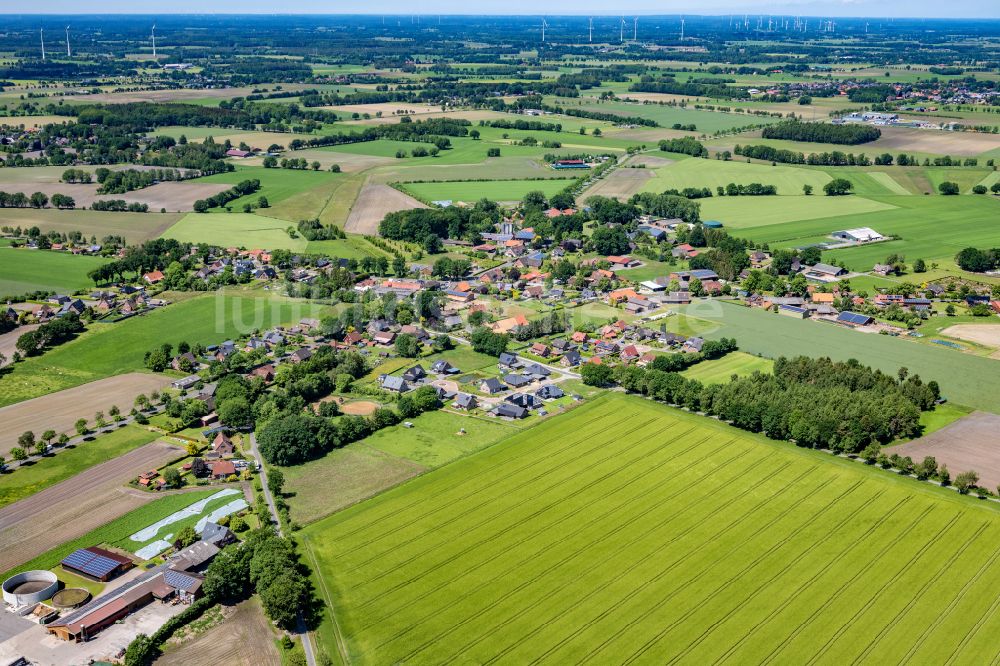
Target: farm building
x=96, y=563
x=570, y=164
x=859, y=235
x=854, y=319
x=793, y=311
x=824, y=272
x=159, y=583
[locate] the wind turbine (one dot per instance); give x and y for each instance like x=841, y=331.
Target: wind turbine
x=152, y=36
x=544, y=26
x=41, y=35
x=621, y=31
x=591, y=30
x=635, y=29
x=69, y=53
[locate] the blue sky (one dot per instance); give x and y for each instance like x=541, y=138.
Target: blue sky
x=873, y=8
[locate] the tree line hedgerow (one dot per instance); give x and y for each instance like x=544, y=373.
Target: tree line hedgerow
x=796, y=130
x=816, y=403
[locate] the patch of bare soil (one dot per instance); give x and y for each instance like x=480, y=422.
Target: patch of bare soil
x=970, y=443
x=373, y=203
x=987, y=335
x=245, y=638
x=59, y=411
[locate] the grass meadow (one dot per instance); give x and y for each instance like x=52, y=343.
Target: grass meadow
x=778, y=214
x=247, y=230
x=964, y=378
x=23, y=270
x=718, y=173
x=627, y=531
x=69, y=462
x=721, y=370
x=930, y=228
x=666, y=116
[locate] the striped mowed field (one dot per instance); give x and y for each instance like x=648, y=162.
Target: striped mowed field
x=630, y=532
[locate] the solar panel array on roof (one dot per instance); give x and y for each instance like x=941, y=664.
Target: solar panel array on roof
x=179, y=581
x=854, y=318
x=90, y=563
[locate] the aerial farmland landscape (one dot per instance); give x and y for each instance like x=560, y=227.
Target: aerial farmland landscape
x=479, y=335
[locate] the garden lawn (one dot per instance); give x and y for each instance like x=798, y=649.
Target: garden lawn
x=964, y=378
x=71, y=461
x=116, y=530
x=107, y=349
x=627, y=530
x=496, y=190
x=23, y=270
x=721, y=370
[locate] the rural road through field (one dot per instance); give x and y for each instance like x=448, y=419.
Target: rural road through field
x=307, y=646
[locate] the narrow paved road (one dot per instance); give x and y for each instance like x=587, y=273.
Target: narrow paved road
x=307, y=646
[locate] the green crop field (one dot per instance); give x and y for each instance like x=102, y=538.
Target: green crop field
x=964, y=378
x=717, y=173
x=774, y=212
x=496, y=190
x=932, y=228
x=720, y=370
x=666, y=116
x=116, y=530
x=23, y=271
x=629, y=531
x=110, y=349
x=25, y=481
x=275, y=184
x=247, y=230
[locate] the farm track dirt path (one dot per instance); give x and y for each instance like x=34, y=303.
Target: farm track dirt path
x=77, y=505
x=60, y=411
x=373, y=203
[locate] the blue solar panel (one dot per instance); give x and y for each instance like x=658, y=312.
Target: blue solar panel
x=853, y=318
x=90, y=563
x=178, y=580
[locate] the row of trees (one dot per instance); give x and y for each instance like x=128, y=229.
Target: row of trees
x=127, y=180
x=242, y=188
x=119, y=206
x=685, y=145
x=35, y=200
x=817, y=403
x=847, y=134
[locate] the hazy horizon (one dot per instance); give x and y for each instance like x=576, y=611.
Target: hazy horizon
x=918, y=9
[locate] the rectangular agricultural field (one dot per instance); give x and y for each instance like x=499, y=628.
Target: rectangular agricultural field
x=23, y=270
x=629, y=531
x=964, y=378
